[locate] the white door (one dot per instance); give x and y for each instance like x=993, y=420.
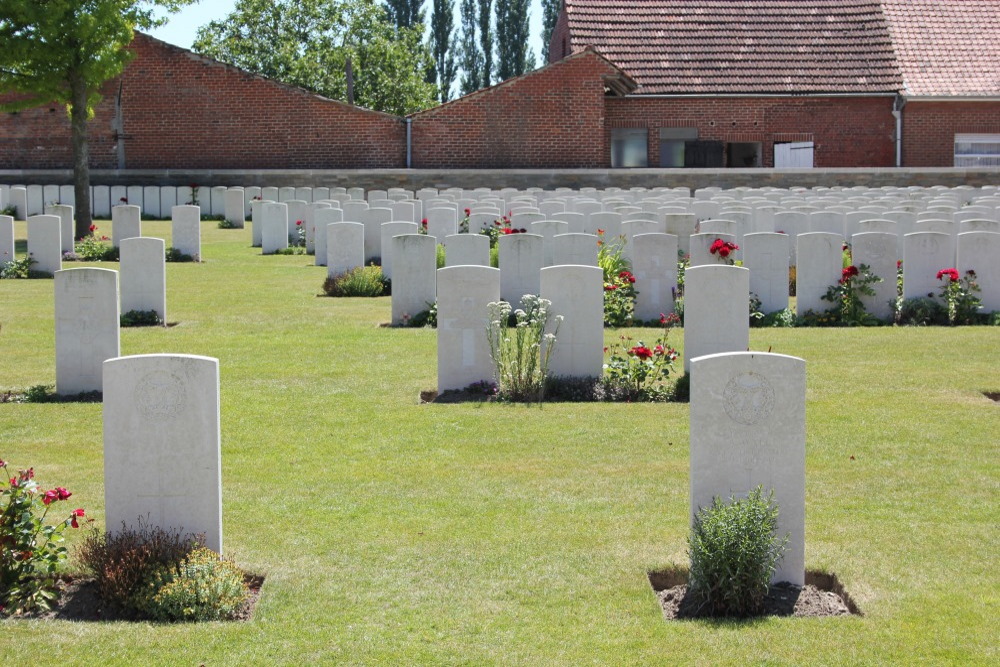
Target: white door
x=793, y=155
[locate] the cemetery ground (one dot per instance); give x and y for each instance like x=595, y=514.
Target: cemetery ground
x=486, y=533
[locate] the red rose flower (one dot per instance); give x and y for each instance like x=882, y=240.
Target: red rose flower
x=950, y=274
x=610, y=288
x=600, y=232
x=723, y=251
x=298, y=223
x=63, y=493
x=468, y=211
x=50, y=497
x=641, y=351
x=423, y=222
x=93, y=228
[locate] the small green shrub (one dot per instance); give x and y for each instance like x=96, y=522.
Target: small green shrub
x=202, y=586
x=682, y=389
x=440, y=255
x=923, y=311
x=734, y=553
x=425, y=318
x=39, y=393
x=359, y=281
x=140, y=318
x=172, y=254
x=225, y=223
x=123, y=560
x=18, y=268
x=10, y=210
x=94, y=248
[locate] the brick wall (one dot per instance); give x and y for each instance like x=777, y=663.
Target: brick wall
x=550, y=118
x=929, y=129
x=39, y=138
x=847, y=131
x=183, y=111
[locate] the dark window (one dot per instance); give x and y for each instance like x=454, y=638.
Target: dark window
x=704, y=154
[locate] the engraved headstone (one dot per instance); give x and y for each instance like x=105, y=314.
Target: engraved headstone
x=980, y=252
x=748, y=429
x=19, y=200
x=819, y=263
x=654, y=264
x=575, y=248
x=87, y=327
x=161, y=409
x=345, y=247
x=186, y=230
x=414, y=263
x=373, y=218
x=467, y=249
x=388, y=230
x=577, y=294
x=126, y=223
x=322, y=217
x=463, y=353
x=234, y=205
x=520, y=258
x=767, y=256
x=144, y=276
x=924, y=254
x=716, y=310
x=45, y=243
x=7, y=247
x=877, y=250
x=65, y=215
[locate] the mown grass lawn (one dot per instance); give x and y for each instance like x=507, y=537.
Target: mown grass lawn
x=397, y=533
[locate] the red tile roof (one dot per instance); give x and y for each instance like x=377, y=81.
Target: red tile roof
x=741, y=46
x=947, y=48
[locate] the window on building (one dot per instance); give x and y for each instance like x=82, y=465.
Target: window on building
x=740, y=154
x=977, y=150
x=672, y=140
x=628, y=147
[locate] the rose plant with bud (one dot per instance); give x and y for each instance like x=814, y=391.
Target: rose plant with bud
x=30, y=549
x=640, y=372
x=724, y=250
x=959, y=294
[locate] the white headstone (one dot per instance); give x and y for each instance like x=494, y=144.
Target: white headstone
x=19, y=200
x=273, y=194
x=577, y=294
x=304, y=194
x=373, y=218
x=716, y=310
x=186, y=230
x=133, y=197
x=256, y=222
x=234, y=206
x=296, y=218
x=67, y=195
x=414, y=263
x=65, y=215
x=218, y=200
x=575, y=248
x=463, y=294
x=345, y=247
x=126, y=223
x=388, y=230
x=151, y=200
x=819, y=257
x=35, y=200
x=924, y=254
x=748, y=429
x=441, y=222
x=467, y=249
x=310, y=223
x=654, y=265
x=980, y=252
x=143, y=276
x=162, y=444
x=321, y=218
x=100, y=203
x=44, y=242
x=274, y=227
x=767, y=257
x=520, y=258
x=877, y=250
x=7, y=248
x=87, y=327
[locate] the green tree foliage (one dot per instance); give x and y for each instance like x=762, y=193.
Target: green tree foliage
x=550, y=14
x=404, y=13
x=486, y=42
x=307, y=43
x=62, y=51
x=513, y=54
x=470, y=55
x=443, y=44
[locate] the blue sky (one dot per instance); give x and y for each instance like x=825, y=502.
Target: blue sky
x=183, y=25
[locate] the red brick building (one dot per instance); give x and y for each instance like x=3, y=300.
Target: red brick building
x=826, y=83
x=657, y=83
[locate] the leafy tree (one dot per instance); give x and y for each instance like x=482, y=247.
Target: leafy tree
x=404, y=13
x=307, y=43
x=486, y=41
x=443, y=46
x=513, y=54
x=470, y=56
x=550, y=14
x=63, y=51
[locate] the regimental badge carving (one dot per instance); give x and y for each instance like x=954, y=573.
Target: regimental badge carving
x=748, y=398
x=159, y=395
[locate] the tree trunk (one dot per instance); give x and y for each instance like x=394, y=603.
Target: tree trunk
x=81, y=154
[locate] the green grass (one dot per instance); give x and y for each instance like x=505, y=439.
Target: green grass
x=397, y=533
